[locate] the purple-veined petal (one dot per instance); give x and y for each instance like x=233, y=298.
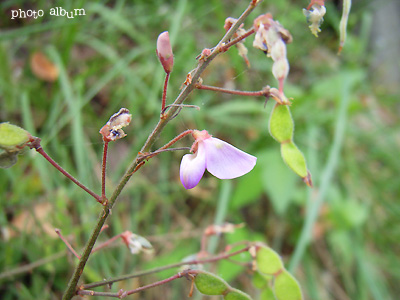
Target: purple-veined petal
x=193, y=167
x=225, y=161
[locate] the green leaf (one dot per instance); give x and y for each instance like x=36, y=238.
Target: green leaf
x=277, y=179
x=248, y=189
x=12, y=137
x=210, y=284
x=268, y=261
x=8, y=159
x=286, y=287
x=281, y=124
x=294, y=158
x=235, y=294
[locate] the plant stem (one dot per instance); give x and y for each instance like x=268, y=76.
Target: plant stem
x=71, y=289
x=159, y=269
x=237, y=40
x=122, y=294
x=36, y=144
x=103, y=172
x=263, y=92
x=164, y=95
x=58, y=231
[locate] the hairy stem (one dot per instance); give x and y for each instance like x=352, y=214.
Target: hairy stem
x=69, y=246
x=159, y=269
x=103, y=172
x=71, y=289
x=122, y=294
x=164, y=95
x=264, y=92
x=237, y=40
x=36, y=144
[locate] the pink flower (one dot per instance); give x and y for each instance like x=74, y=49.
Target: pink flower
x=220, y=159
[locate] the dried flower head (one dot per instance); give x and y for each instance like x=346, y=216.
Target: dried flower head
x=315, y=17
x=112, y=130
x=136, y=243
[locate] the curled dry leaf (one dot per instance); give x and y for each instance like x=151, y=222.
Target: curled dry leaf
x=43, y=68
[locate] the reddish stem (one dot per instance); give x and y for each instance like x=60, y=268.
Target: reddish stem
x=236, y=40
x=159, y=269
x=39, y=149
x=69, y=246
x=106, y=243
x=264, y=92
x=103, y=172
x=167, y=145
x=164, y=95
x=122, y=294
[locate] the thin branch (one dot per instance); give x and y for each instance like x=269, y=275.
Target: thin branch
x=31, y=266
x=36, y=145
x=103, y=172
x=263, y=92
x=123, y=294
x=69, y=246
x=164, y=95
x=71, y=288
x=237, y=40
x=159, y=269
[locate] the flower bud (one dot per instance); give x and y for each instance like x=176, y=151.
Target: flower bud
x=164, y=52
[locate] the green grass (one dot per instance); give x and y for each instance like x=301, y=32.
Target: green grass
x=340, y=238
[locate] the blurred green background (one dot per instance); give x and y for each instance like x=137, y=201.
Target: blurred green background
x=340, y=239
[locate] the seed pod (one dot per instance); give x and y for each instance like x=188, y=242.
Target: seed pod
x=235, y=294
x=210, y=284
x=267, y=294
x=286, y=287
x=294, y=159
x=12, y=137
x=268, y=261
x=281, y=124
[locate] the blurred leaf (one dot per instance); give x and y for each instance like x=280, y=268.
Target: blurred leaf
x=249, y=188
x=278, y=181
x=43, y=68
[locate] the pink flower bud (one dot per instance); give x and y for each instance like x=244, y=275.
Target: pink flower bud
x=164, y=52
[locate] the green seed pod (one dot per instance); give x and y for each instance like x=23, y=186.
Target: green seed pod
x=268, y=261
x=235, y=294
x=12, y=137
x=286, y=287
x=261, y=280
x=8, y=159
x=210, y=284
x=294, y=159
x=281, y=124
x=267, y=294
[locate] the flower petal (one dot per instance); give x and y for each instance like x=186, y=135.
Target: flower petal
x=193, y=167
x=225, y=161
